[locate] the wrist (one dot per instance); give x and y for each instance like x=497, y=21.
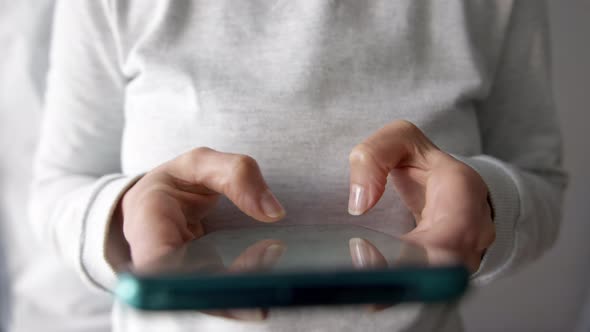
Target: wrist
x=117, y=252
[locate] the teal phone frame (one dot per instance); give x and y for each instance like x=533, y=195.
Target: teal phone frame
x=285, y=289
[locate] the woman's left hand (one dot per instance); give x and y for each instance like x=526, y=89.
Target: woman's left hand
x=449, y=200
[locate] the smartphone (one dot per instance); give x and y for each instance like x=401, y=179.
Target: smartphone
x=282, y=266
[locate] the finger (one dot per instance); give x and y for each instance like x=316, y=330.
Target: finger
x=259, y=256
x=365, y=255
x=399, y=144
x=238, y=177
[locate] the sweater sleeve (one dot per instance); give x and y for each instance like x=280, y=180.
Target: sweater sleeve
x=78, y=179
x=521, y=161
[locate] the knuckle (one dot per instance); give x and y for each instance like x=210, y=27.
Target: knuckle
x=192, y=157
x=417, y=140
x=407, y=126
x=362, y=153
x=242, y=166
x=201, y=149
x=197, y=153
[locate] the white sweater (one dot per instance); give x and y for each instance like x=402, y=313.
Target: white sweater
x=43, y=295
x=296, y=84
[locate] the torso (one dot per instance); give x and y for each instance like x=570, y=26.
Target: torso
x=297, y=85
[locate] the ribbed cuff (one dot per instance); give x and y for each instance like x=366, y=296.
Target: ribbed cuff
x=506, y=205
x=95, y=230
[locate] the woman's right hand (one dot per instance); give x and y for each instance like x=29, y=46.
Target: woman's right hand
x=164, y=209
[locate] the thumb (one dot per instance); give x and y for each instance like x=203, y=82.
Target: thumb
x=399, y=144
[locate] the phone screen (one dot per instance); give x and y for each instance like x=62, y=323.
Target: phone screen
x=308, y=248
x=273, y=266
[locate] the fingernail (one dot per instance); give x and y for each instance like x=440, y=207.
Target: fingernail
x=271, y=206
x=359, y=252
x=357, y=201
x=272, y=254
x=247, y=314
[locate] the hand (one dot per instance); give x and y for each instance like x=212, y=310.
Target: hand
x=448, y=199
x=164, y=209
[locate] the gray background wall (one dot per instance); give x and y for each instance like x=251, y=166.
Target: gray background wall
x=552, y=294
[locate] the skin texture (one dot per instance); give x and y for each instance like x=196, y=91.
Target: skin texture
x=448, y=199
x=164, y=209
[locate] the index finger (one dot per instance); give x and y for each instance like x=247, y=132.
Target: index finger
x=206, y=171
x=398, y=144
x=263, y=254
x=365, y=255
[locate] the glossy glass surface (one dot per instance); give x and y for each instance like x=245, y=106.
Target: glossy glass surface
x=293, y=265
